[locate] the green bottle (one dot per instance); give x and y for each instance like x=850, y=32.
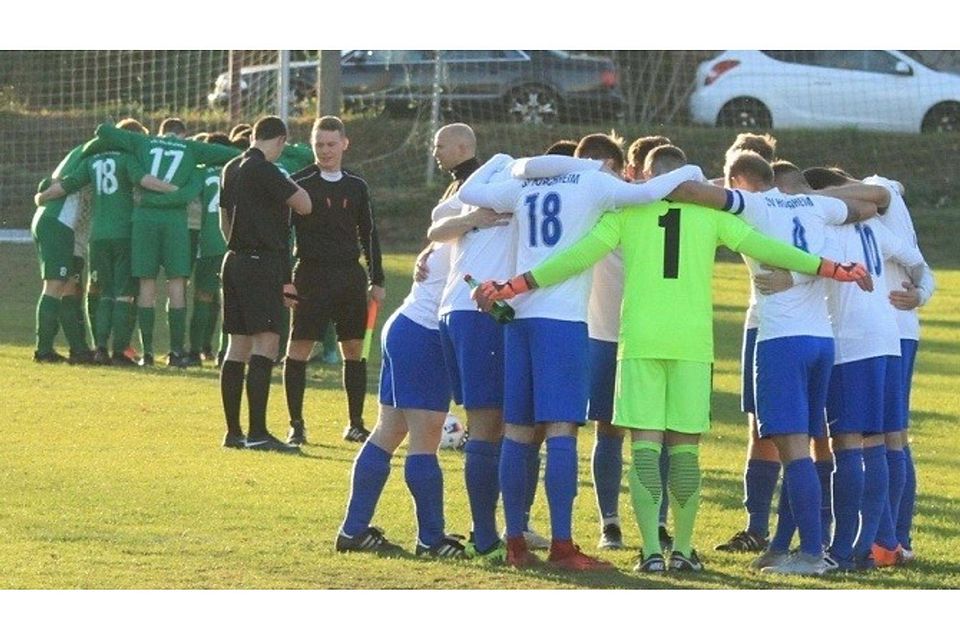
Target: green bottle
x=501, y=311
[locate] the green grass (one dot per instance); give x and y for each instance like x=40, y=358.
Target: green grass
x=115, y=479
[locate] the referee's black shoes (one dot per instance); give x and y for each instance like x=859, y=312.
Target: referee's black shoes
x=355, y=433
x=234, y=441
x=268, y=442
x=297, y=434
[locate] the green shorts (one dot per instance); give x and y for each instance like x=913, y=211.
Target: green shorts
x=54, y=249
x=206, y=274
x=110, y=268
x=663, y=394
x=160, y=238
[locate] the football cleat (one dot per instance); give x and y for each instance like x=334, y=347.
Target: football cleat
x=682, y=563
x=121, y=359
x=666, y=540
x=518, y=555
x=234, y=440
x=769, y=558
x=445, y=547
x=566, y=555
x=192, y=359
x=497, y=554
x=146, y=360
x=101, y=356
x=906, y=555
x=297, y=434
x=611, y=537
x=267, y=442
x=175, y=359
x=355, y=433
x=535, y=540
x=883, y=557
x=372, y=540
x=654, y=564
x=50, y=357
x=80, y=357
x=800, y=564
x=744, y=542
x=838, y=563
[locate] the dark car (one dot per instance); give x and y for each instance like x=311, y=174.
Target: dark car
x=523, y=86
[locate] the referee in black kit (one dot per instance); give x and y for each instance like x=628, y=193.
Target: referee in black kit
x=254, y=219
x=329, y=277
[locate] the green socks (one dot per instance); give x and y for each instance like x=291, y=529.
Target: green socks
x=200, y=325
x=178, y=328
x=48, y=321
x=646, y=492
x=122, y=325
x=683, y=482
x=146, y=316
x=74, y=327
x=102, y=321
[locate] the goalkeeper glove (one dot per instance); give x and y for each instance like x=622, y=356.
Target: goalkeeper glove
x=846, y=272
x=505, y=290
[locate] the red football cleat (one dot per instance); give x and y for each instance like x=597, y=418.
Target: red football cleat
x=518, y=555
x=883, y=557
x=566, y=555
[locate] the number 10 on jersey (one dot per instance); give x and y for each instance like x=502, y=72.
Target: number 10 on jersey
x=548, y=228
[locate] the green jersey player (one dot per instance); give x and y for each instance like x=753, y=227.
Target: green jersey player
x=159, y=234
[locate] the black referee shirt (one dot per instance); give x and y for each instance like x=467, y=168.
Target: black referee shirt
x=460, y=173
x=254, y=193
x=341, y=225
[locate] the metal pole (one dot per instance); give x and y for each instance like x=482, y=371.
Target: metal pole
x=233, y=69
x=434, y=116
x=328, y=85
x=283, y=84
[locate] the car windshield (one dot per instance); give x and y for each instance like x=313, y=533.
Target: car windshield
x=948, y=61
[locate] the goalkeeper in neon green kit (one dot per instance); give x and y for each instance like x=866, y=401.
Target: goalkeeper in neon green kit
x=665, y=353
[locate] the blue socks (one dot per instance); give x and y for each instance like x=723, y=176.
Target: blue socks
x=896, y=467
x=533, y=479
x=425, y=481
x=370, y=471
x=876, y=495
x=824, y=472
x=803, y=487
x=607, y=470
x=904, y=521
x=786, y=526
x=847, y=496
x=482, y=470
x=513, y=485
x=759, y=483
x=560, y=480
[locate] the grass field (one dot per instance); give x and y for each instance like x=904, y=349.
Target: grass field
x=115, y=479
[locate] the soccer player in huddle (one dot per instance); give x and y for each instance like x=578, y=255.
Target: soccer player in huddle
x=546, y=347
x=160, y=235
x=868, y=435
x=794, y=344
x=663, y=388
x=414, y=398
x=762, y=469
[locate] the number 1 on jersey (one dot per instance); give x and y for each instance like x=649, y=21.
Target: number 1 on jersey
x=670, y=223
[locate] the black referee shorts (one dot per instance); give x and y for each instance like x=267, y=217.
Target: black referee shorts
x=327, y=293
x=252, y=293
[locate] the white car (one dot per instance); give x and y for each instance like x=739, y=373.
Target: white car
x=879, y=90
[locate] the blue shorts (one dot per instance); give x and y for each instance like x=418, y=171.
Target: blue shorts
x=473, y=352
x=894, y=410
x=855, y=401
x=908, y=355
x=412, y=373
x=547, y=369
x=603, y=377
x=792, y=377
x=748, y=403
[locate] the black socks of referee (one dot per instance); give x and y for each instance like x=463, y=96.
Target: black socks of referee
x=231, y=392
x=294, y=383
x=355, y=384
x=258, y=391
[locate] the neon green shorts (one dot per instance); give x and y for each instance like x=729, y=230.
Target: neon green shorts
x=663, y=394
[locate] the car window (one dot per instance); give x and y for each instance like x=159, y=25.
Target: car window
x=876, y=61
x=792, y=56
x=880, y=62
